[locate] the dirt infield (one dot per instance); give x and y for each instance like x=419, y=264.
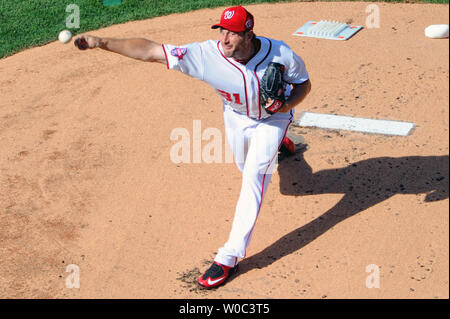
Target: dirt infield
x=87, y=180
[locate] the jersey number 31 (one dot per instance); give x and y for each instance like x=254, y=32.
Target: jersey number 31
x=235, y=98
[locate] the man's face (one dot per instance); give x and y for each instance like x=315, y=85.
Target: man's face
x=234, y=44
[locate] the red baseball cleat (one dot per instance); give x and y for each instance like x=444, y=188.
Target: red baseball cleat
x=287, y=146
x=216, y=275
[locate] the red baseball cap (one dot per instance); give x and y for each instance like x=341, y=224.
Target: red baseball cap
x=235, y=19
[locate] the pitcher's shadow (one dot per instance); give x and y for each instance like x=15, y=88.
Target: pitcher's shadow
x=364, y=184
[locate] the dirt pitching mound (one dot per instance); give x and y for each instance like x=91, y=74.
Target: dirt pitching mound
x=92, y=206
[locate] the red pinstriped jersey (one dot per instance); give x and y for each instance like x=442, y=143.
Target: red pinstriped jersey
x=236, y=83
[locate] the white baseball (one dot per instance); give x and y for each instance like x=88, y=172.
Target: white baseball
x=437, y=31
x=65, y=36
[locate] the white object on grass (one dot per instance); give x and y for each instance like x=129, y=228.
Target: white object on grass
x=65, y=36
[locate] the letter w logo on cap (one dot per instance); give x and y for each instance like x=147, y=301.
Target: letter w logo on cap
x=228, y=15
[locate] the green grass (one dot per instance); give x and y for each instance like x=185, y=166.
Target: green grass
x=28, y=23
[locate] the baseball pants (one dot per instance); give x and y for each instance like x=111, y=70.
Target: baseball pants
x=255, y=144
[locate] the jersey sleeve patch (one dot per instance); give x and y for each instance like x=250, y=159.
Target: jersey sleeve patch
x=179, y=53
x=186, y=58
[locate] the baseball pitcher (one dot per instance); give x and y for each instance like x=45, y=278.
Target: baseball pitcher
x=260, y=81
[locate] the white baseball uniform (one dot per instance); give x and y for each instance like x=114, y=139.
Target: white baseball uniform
x=254, y=135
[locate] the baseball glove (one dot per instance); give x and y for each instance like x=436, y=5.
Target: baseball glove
x=272, y=88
